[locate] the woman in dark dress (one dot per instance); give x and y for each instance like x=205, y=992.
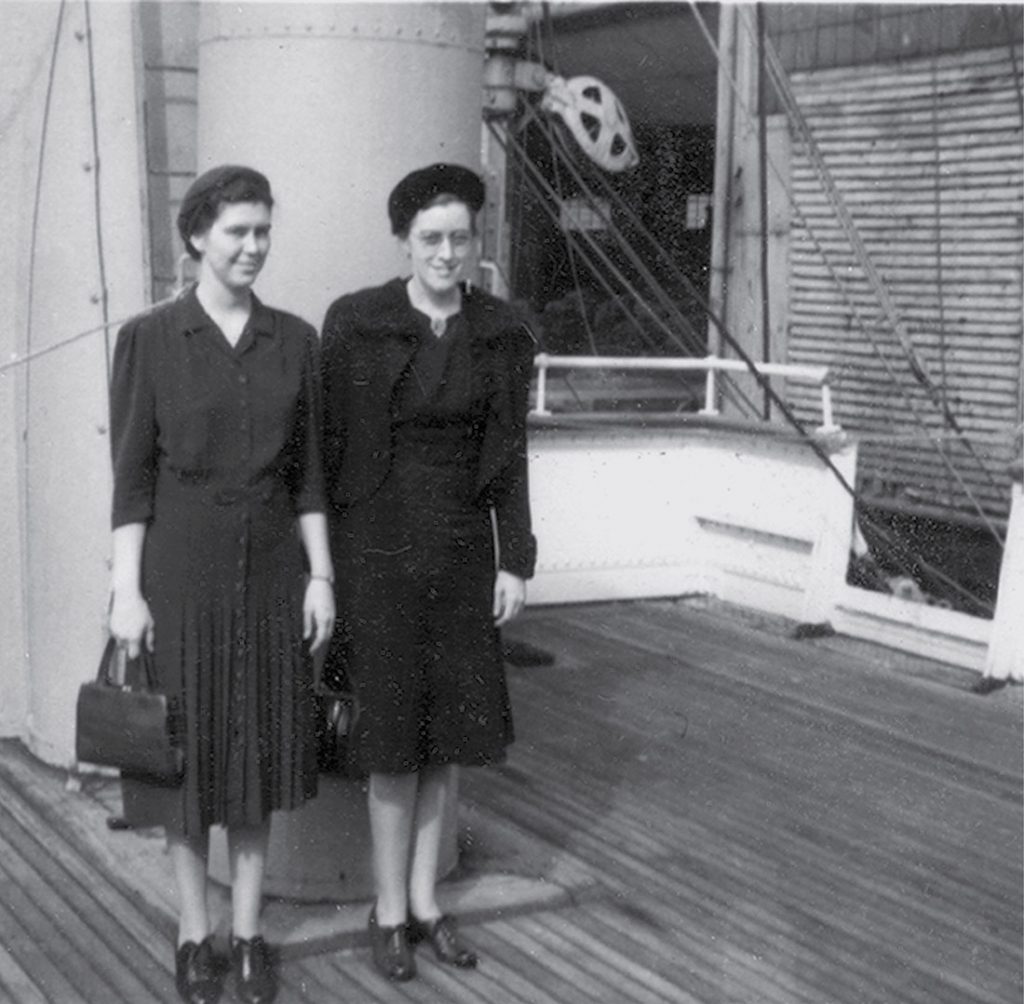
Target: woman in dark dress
x=215, y=439
x=425, y=399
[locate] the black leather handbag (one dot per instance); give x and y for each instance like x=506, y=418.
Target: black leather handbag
x=130, y=726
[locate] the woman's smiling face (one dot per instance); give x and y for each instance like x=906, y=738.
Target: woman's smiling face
x=235, y=246
x=439, y=242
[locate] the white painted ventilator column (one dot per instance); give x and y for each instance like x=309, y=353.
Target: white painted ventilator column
x=335, y=103
x=71, y=160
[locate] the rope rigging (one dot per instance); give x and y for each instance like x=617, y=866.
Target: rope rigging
x=40, y=162
x=902, y=553
x=97, y=194
x=683, y=333
x=670, y=321
x=762, y=199
x=863, y=326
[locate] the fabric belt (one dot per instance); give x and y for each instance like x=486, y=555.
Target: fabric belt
x=210, y=489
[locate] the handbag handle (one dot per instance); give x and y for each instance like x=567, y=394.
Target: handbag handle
x=329, y=682
x=109, y=657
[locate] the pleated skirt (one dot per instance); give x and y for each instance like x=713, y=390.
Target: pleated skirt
x=223, y=576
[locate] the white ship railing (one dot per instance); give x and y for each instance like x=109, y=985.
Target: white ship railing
x=712, y=365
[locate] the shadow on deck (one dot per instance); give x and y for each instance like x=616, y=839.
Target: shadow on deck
x=726, y=814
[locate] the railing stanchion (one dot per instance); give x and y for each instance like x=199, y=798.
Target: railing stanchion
x=827, y=420
x=542, y=385
x=709, y=392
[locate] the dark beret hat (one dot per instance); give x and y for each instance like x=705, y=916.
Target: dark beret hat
x=415, y=190
x=227, y=183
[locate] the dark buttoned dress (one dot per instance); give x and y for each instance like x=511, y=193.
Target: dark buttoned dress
x=216, y=449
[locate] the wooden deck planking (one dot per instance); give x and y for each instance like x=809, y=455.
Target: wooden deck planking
x=610, y=965
x=15, y=983
x=58, y=911
x=559, y=977
x=85, y=895
x=806, y=833
x=33, y=960
x=766, y=760
x=656, y=952
x=757, y=821
x=754, y=813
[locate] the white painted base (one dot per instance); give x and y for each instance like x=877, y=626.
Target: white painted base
x=322, y=852
x=931, y=632
x=745, y=514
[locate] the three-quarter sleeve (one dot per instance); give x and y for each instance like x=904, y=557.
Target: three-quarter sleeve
x=308, y=492
x=133, y=429
x=334, y=379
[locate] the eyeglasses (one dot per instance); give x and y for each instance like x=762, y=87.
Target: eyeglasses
x=459, y=241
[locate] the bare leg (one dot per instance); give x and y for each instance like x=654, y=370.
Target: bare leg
x=392, y=808
x=247, y=846
x=436, y=783
x=188, y=856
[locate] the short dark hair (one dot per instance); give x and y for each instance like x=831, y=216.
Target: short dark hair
x=214, y=189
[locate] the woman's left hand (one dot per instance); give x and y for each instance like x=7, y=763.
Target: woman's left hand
x=318, y=613
x=509, y=597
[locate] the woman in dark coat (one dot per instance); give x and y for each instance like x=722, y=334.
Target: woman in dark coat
x=425, y=400
x=215, y=438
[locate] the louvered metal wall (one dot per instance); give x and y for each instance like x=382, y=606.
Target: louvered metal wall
x=928, y=156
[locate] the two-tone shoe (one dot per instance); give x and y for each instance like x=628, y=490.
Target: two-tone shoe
x=443, y=935
x=198, y=973
x=391, y=953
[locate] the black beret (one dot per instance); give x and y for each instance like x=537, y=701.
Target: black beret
x=415, y=190
x=227, y=183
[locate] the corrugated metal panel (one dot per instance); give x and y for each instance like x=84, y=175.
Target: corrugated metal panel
x=928, y=158
x=814, y=36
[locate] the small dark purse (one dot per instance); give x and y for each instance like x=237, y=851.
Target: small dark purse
x=133, y=728
x=335, y=717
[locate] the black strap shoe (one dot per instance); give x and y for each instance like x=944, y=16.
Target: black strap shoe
x=255, y=975
x=198, y=974
x=391, y=953
x=443, y=934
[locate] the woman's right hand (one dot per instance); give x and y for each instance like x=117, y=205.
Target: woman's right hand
x=131, y=623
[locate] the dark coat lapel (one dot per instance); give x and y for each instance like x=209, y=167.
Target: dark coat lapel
x=382, y=341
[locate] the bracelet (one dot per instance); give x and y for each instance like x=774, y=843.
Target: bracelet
x=323, y=578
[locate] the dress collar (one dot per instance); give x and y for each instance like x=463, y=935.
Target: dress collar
x=194, y=318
